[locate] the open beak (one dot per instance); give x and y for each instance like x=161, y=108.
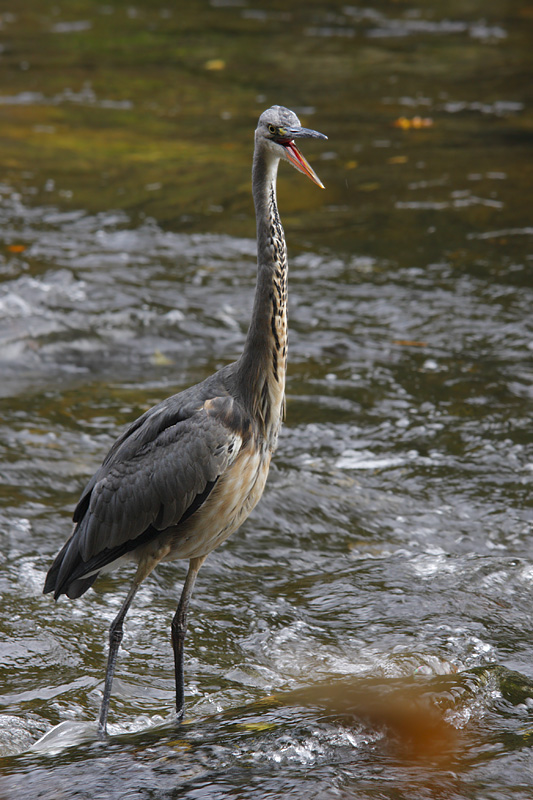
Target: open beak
x=295, y=156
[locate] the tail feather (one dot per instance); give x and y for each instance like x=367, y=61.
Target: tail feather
x=65, y=576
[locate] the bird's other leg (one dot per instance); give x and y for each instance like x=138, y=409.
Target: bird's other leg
x=179, y=630
x=115, y=637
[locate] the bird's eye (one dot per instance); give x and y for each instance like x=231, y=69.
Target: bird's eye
x=272, y=129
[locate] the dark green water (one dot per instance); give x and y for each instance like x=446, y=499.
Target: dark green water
x=367, y=633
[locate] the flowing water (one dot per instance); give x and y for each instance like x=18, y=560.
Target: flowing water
x=367, y=633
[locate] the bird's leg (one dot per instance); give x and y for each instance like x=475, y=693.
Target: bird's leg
x=115, y=637
x=179, y=630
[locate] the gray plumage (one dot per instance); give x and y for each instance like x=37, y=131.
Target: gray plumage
x=185, y=475
x=149, y=480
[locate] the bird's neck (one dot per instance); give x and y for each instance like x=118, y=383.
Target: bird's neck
x=263, y=362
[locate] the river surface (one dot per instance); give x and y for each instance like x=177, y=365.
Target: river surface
x=368, y=632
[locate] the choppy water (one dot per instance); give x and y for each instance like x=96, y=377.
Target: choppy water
x=367, y=633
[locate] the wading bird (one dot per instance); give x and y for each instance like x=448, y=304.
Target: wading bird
x=187, y=473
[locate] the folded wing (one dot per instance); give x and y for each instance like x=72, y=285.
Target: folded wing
x=156, y=475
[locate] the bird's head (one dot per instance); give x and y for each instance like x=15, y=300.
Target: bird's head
x=276, y=131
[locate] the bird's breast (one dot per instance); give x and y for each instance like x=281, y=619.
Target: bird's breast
x=226, y=508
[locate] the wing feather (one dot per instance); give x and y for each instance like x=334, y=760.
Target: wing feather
x=157, y=483
x=157, y=473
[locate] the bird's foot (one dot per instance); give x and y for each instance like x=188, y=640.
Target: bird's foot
x=102, y=732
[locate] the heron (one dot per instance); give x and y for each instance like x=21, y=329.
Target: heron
x=188, y=472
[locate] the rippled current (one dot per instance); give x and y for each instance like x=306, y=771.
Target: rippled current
x=393, y=541
x=367, y=633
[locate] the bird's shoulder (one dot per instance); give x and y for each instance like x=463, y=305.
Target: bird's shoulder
x=172, y=418
x=211, y=399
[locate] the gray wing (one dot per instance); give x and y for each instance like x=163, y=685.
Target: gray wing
x=159, y=472
x=158, y=482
